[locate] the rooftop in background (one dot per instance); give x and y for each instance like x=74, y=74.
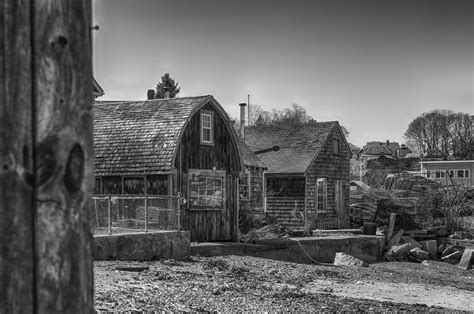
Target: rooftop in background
x=299, y=145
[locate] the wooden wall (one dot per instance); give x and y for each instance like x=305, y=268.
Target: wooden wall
x=289, y=211
x=209, y=225
x=333, y=167
x=46, y=174
x=254, y=204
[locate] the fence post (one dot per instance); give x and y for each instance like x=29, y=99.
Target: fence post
x=109, y=214
x=178, y=208
x=146, y=213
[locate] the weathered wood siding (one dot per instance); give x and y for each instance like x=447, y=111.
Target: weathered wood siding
x=208, y=225
x=289, y=211
x=254, y=203
x=332, y=167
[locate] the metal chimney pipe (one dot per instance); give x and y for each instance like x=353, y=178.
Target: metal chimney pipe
x=242, y=119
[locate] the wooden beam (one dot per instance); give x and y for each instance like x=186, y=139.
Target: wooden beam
x=46, y=157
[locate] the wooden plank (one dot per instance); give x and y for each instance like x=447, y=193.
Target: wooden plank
x=391, y=226
x=17, y=290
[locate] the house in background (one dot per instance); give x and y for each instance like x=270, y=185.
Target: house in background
x=308, y=177
x=374, y=149
x=448, y=172
x=176, y=146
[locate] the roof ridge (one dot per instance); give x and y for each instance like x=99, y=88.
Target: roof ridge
x=111, y=102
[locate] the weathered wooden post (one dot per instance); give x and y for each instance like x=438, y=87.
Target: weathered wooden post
x=109, y=214
x=46, y=170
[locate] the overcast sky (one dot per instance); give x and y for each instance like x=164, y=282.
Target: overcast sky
x=372, y=65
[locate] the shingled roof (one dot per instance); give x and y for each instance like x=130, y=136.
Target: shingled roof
x=141, y=137
x=248, y=156
x=299, y=145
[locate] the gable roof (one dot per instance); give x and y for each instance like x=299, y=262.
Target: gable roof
x=97, y=91
x=299, y=145
x=370, y=148
x=141, y=137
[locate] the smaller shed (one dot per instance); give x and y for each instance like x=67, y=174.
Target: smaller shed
x=308, y=177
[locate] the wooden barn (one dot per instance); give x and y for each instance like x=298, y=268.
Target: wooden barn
x=176, y=146
x=308, y=177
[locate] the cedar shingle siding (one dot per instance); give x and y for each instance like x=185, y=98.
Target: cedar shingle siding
x=307, y=152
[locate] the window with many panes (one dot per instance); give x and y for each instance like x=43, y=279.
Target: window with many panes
x=207, y=132
x=322, y=194
x=244, y=185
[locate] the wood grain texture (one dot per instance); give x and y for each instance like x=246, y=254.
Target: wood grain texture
x=16, y=161
x=46, y=93
x=64, y=156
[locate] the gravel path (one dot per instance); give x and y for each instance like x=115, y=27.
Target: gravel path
x=242, y=283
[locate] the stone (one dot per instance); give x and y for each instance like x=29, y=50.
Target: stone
x=398, y=252
x=430, y=246
x=426, y=263
x=343, y=259
x=467, y=259
x=452, y=258
x=413, y=242
x=419, y=254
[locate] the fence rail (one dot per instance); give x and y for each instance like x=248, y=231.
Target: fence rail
x=127, y=214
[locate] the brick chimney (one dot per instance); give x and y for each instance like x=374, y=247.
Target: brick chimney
x=150, y=94
x=242, y=119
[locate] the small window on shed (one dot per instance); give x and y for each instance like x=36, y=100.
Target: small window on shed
x=460, y=174
x=322, y=194
x=207, y=132
x=336, y=146
x=244, y=185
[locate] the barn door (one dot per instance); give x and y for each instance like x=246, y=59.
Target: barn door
x=339, y=198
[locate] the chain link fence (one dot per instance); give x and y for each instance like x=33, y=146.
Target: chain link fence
x=127, y=214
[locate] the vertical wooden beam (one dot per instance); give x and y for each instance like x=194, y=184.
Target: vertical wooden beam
x=17, y=272
x=46, y=172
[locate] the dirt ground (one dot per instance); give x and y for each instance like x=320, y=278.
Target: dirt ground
x=242, y=283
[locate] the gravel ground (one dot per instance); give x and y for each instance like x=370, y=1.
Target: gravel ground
x=242, y=283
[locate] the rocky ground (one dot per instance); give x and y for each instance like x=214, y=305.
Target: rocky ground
x=242, y=283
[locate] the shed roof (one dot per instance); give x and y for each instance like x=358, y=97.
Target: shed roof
x=141, y=137
x=299, y=144
x=248, y=156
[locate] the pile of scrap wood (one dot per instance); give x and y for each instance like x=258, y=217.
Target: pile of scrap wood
x=402, y=247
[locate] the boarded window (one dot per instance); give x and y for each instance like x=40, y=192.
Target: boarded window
x=157, y=184
x=322, y=194
x=207, y=189
x=112, y=185
x=207, y=132
x=244, y=185
x=134, y=185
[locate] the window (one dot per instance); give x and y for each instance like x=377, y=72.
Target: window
x=96, y=185
x=451, y=173
x=322, y=194
x=460, y=173
x=207, y=134
x=466, y=174
x=206, y=189
x=336, y=146
x=428, y=174
x=112, y=185
x=134, y=185
x=244, y=186
x=157, y=184
x=439, y=174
